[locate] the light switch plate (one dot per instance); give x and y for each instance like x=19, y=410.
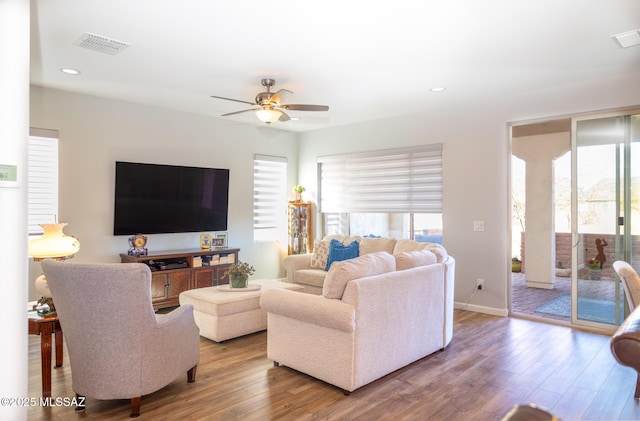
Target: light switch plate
x=478, y=225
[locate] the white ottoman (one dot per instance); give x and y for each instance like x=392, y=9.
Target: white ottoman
x=223, y=315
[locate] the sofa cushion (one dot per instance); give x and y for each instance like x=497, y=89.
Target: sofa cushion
x=339, y=252
x=410, y=245
x=342, y=272
x=372, y=245
x=320, y=254
x=411, y=259
x=313, y=277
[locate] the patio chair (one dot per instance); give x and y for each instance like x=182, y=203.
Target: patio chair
x=630, y=282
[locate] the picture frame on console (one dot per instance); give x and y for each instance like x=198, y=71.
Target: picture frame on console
x=221, y=240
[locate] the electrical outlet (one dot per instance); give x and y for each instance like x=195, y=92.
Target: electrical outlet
x=480, y=284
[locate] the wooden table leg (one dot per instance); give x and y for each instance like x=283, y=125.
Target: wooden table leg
x=59, y=354
x=46, y=330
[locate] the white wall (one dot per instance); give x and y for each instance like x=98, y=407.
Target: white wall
x=96, y=132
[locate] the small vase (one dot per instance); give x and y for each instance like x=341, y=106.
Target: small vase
x=238, y=281
x=594, y=274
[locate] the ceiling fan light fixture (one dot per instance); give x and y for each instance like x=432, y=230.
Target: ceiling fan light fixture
x=268, y=115
x=268, y=106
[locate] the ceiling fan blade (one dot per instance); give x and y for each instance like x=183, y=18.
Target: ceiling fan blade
x=235, y=100
x=305, y=107
x=237, y=112
x=280, y=95
x=284, y=116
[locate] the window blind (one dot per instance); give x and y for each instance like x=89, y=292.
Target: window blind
x=42, y=177
x=269, y=197
x=392, y=180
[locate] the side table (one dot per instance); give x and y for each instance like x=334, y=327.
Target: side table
x=46, y=327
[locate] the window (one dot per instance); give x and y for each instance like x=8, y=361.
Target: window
x=427, y=227
x=42, y=179
x=269, y=198
x=393, y=193
x=422, y=227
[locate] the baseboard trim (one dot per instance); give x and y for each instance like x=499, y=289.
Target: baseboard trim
x=482, y=309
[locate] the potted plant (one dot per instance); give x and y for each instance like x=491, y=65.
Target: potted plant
x=298, y=191
x=594, y=269
x=238, y=274
x=516, y=264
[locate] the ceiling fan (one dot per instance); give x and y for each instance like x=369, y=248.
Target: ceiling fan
x=269, y=107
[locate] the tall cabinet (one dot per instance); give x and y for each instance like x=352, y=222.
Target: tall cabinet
x=300, y=236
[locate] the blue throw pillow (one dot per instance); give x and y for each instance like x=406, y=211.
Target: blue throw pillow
x=339, y=252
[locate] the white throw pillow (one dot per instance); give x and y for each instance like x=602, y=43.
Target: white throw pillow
x=320, y=254
x=412, y=259
x=340, y=273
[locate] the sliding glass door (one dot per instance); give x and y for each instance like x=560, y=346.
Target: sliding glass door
x=605, y=213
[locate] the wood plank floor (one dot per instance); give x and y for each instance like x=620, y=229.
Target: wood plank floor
x=492, y=364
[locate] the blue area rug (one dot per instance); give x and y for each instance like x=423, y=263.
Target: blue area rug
x=601, y=311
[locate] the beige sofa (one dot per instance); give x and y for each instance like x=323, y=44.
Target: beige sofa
x=308, y=270
x=378, y=313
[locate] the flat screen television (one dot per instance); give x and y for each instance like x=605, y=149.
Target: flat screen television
x=156, y=199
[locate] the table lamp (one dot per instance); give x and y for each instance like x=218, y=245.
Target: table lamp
x=54, y=244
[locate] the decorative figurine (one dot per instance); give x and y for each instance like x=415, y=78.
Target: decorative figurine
x=137, y=245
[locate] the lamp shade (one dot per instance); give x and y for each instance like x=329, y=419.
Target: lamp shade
x=54, y=244
x=268, y=115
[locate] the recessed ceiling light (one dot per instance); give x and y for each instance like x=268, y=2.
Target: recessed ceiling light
x=437, y=89
x=295, y=118
x=628, y=39
x=70, y=71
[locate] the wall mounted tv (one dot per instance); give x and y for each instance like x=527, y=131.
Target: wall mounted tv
x=155, y=199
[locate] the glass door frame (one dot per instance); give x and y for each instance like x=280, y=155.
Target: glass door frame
x=623, y=231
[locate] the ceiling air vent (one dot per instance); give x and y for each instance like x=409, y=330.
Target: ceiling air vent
x=628, y=39
x=100, y=44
